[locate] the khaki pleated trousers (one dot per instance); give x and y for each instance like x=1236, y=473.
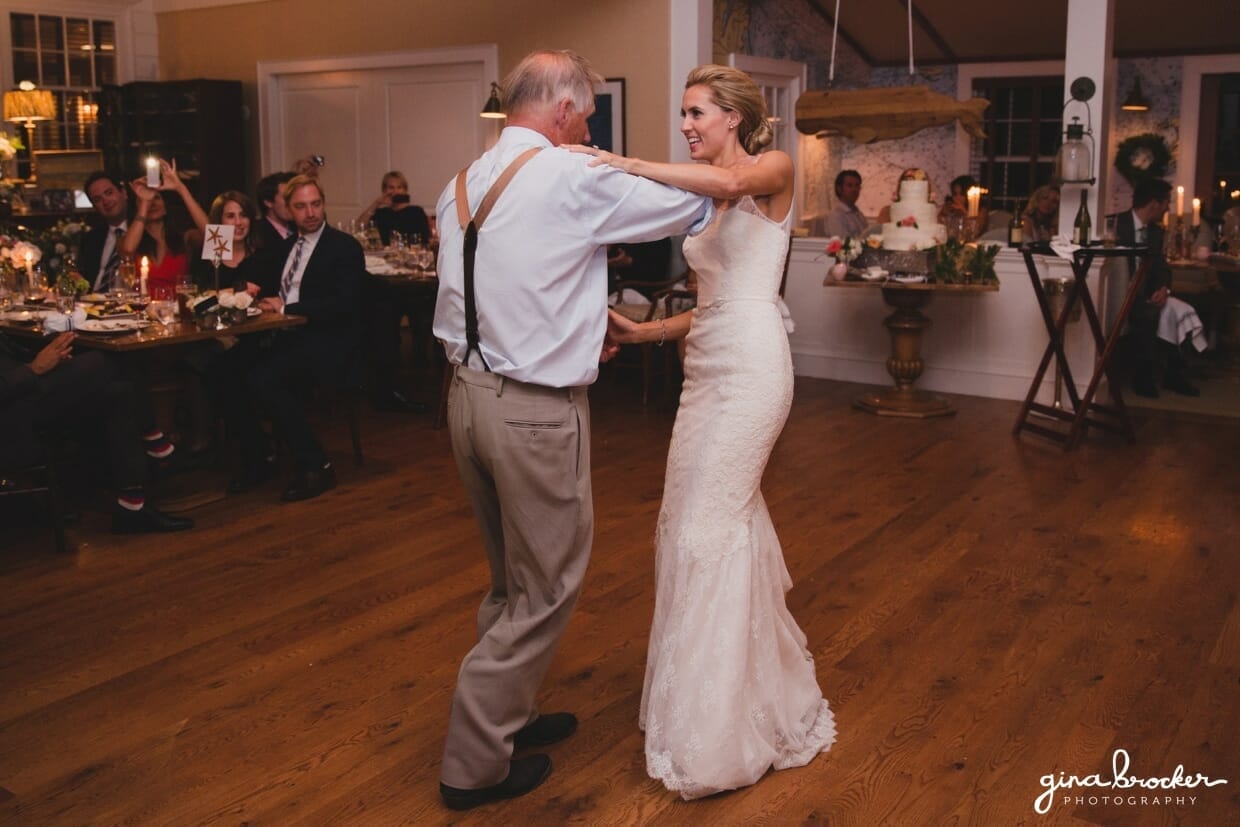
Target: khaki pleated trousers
x=523, y=453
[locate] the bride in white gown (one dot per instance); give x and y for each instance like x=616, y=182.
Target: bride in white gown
x=730, y=687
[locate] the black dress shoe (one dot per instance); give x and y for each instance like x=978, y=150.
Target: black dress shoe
x=146, y=520
x=1181, y=386
x=310, y=484
x=545, y=730
x=524, y=774
x=1145, y=388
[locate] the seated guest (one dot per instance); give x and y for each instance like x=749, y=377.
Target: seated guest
x=52, y=390
x=99, y=254
x=244, y=268
x=957, y=203
x=392, y=212
x=275, y=223
x=1142, y=225
x=1040, y=219
x=845, y=219
x=319, y=278
x=161, y=229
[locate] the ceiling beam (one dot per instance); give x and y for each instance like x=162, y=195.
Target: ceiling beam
x=844, y=35
x=931, y=32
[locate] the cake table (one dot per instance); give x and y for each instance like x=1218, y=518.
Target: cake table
x=906, y=326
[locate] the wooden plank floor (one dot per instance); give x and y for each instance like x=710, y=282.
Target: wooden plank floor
x=983, y=611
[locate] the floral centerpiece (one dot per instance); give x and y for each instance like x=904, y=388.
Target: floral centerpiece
x=957, y=262
x=845, y=249
x=58, y=243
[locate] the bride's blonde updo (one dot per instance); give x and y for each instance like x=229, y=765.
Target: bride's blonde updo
x=735, y=91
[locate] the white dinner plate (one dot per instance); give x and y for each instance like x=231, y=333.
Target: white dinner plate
x=909, y=279
x=25, y=316
x=112, y=327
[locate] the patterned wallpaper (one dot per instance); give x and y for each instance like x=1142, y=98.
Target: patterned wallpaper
x=791, y=30
x=1162, y=81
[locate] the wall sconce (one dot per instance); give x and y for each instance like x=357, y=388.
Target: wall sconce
x=26, y=105
x=1074, y=163
x=1135, y=102
x=493, y=108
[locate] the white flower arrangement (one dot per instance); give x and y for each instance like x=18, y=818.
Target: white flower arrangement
x=844, y=249
x=22, y=250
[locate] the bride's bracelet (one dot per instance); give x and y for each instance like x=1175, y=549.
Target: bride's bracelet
x=662, y=333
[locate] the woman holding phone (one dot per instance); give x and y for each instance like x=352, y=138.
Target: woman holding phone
x=392, y=212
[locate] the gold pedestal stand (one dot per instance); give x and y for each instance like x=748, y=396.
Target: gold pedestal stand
x=906, y=326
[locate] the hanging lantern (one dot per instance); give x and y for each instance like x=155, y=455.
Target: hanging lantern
x=1074, y=163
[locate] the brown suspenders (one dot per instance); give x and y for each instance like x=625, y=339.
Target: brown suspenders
x=471, y=226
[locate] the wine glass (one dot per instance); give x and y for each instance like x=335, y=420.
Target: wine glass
x=426, y=259
x=163, y=305
x=66, y=298
x=124, y=282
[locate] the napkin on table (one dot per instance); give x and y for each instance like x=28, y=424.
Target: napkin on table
x=59, y=322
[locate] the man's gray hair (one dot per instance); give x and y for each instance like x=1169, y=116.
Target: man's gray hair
x=546, y=77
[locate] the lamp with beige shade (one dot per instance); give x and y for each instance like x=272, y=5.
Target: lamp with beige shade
x=26, y=105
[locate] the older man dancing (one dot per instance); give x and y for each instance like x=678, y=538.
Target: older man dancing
x=522, y=314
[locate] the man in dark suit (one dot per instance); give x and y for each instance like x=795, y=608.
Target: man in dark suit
x=51, y=389
x=99, y=251
x=275, y=224
x=1142, y=225
x=319, y=276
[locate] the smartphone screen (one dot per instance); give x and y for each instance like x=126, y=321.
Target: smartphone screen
x=400, y=198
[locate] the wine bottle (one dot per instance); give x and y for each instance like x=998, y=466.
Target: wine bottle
x=1016, y=230
x=1081, y=226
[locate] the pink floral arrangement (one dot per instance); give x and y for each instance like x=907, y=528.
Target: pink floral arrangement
x=909, y=221
x=844, y=249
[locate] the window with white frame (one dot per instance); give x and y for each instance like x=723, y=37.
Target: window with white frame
x=72, y=57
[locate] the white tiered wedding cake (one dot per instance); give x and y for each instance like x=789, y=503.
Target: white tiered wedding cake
x=914, y=217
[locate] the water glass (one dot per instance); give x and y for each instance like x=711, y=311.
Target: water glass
x=163, y=305
x=1109, y=233
x=66, y=298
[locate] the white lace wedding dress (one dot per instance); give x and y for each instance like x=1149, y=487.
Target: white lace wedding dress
x=730, y=688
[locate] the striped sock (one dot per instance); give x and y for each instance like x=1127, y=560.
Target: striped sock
x=131, y=499
x=158, y=446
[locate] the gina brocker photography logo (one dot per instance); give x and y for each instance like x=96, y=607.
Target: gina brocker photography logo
x=1122, y=789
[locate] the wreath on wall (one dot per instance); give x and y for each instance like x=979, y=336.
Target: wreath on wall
x=1143, y=156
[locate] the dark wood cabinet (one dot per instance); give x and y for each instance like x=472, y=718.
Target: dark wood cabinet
x=197, y=123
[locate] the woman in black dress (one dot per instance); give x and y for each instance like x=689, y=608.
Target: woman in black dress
x=392, y=212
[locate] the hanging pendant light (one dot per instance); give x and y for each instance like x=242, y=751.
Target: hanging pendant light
x=1135, y=102
x=493, y=108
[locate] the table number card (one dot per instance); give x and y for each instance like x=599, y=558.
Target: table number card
x=218, y=242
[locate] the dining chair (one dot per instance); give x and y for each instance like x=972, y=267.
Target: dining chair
x=666, y=298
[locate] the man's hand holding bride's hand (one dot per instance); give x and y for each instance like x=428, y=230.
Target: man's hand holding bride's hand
x=610, y=350
x=601, y=156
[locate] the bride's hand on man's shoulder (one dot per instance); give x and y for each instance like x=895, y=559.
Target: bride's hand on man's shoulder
x=601, y=156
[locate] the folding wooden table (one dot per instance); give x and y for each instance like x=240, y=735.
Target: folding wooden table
x=1085, y=411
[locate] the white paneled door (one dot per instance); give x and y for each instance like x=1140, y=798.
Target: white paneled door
x=416, y=113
